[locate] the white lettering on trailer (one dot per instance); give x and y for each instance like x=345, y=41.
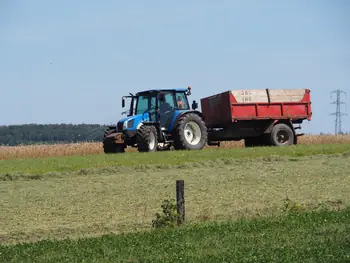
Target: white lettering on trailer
x=246, y=95
x=256, y=96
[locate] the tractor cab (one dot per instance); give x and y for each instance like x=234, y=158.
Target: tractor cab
x=155, y=110
x=157, y=107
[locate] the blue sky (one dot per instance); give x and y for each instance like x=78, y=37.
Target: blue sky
x=71, y=61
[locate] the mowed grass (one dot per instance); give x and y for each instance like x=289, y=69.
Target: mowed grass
x=89, y=148
x=134, y=159
x=97, y=201
x=322, y=236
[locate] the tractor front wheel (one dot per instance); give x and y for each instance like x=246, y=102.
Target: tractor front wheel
x=190, y=133
x=147, y=139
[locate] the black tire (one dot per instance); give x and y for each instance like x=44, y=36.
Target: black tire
x=180, y=141
x=145, y=136
x=282, y=135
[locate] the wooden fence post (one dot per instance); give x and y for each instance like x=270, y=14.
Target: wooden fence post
x=180, y=201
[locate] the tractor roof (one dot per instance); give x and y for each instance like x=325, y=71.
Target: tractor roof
x=160, y=90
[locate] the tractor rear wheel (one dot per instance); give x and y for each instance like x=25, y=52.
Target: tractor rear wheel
x=190, y=133
x=147, y=139
x=282, y=134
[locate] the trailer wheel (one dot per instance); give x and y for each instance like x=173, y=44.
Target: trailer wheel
x=190, y=133
x=281, y=135
x=147, y=139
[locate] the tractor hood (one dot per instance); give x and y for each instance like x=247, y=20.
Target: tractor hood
x=132, y=122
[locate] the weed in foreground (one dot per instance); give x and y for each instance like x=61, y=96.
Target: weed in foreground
x=169, y=216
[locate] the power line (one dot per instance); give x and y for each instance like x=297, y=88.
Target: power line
x=338, y=114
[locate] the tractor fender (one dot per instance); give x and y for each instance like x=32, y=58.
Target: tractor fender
x=178, y=116
x=139, y=125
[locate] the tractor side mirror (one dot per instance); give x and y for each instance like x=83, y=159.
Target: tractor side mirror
x=123, y=102
x=194, y=105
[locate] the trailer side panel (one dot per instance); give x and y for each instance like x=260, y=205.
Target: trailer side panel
x=291, y=104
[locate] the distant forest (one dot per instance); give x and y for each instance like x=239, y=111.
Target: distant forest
x=52, y=133
x=49, y=134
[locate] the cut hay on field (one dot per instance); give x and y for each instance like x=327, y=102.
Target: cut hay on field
x=87, y=148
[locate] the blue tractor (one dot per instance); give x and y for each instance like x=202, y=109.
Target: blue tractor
x=158, y=120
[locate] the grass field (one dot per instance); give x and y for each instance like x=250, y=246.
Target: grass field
x=220, y=184
x=82, y=149
x=307, y=237
x=93, y=195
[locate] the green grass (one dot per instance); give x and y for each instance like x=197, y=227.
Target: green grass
x=322, y=236
x=115, y=200
x=75, y=197
x=74, y=163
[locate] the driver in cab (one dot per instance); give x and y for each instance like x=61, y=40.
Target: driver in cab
x=165, y=110
x=180, y=103
x=164, y=106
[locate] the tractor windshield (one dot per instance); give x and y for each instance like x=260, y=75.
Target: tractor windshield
x=172, y=101
x=145, y=103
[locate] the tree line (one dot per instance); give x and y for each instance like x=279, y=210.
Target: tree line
x=13, y=135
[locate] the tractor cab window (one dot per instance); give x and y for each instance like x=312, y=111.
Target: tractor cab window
x=181, y=101
x=166, y=103
x=145, y=103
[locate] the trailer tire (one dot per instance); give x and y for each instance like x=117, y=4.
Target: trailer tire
x=281, y=135
x=147, y=139
x=190, y=133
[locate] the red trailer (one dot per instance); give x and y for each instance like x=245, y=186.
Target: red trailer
x=260, y=117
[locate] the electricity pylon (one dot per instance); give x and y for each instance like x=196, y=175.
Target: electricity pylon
x=338, y=113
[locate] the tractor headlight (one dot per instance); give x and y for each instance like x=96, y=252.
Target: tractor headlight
x=128, y=124
x=125, y=125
